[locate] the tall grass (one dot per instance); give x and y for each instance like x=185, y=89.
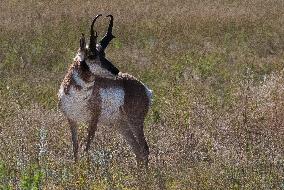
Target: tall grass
x=216, y=69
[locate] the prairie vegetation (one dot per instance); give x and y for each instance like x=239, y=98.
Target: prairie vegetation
x=217, y=72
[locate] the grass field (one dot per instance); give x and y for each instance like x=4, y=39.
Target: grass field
x=217, y=72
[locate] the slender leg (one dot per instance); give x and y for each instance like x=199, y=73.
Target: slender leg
x=138, y=132
x=74, y=133
x=91, y=133
x=130, y=138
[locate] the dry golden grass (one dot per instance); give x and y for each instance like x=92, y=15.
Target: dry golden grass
x=216, y=68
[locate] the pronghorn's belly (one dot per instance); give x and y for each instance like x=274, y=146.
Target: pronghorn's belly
x=75, y=104
x=112, y=99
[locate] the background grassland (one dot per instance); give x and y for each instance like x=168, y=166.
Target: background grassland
x=216, y=69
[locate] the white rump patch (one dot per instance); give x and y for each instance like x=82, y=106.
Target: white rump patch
x=149, y=94
x=112, y=100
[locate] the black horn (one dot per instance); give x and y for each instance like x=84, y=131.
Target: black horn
x=109, y=30
x=108, y=36
x=93, y=37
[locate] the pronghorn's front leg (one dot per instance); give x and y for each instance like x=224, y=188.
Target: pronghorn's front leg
x=91, y=133
x=73, y=127
x=93, y=122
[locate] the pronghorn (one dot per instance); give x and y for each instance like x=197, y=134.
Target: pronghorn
x=94, y=92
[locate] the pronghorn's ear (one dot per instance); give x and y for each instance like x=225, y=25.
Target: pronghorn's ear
x=82, y=42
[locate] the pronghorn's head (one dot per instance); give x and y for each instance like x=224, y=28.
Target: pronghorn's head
x=93, y=55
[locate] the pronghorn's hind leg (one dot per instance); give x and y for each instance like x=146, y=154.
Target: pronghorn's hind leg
x=74, y=132
x=126, y=132
x=135, y=109
x=137, y=128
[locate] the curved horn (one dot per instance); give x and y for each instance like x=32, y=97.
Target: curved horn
x=110, y=23
x=93, y=37
x=108, y=36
